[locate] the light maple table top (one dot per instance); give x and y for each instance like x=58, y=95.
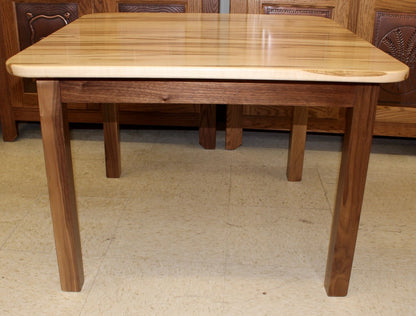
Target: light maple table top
x=206, y=46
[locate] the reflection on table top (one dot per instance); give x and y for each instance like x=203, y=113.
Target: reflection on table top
x=206, y=46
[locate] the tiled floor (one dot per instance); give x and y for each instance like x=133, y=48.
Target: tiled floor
x=186, y=231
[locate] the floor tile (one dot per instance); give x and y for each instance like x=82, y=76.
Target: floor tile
x=182, y=183
x=151, y=287
x=267, y=186
x=30, y=285
x=194, y=234
x=187, y=231
x=97, y=220
x=22, y=174
x=287, y=243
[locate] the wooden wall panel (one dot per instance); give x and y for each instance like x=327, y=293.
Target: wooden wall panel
x=391, y=25
x=152, y=7
x=210, y=6
x=6, y=114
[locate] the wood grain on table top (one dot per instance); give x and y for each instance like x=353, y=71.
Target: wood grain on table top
x=206, y=46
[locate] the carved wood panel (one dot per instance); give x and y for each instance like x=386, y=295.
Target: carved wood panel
x=275, y=9
x=151, y=7
x=37, y=20
x=395, y=33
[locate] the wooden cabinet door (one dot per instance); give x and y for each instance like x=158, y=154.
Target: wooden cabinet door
x=391, y=26
x=179, y=6
x=26, y=22
x=339, y=10
x=6, y=115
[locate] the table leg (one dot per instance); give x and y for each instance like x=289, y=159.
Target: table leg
x=58, y=161
x=208, y=126
x=8, y=124
x=351, y=183
x=297, y=143
x=234, y=127
x=112, y=140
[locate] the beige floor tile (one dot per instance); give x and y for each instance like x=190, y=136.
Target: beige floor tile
x=91, y=180
x=267, y=186
x=24, y=175
x=30, y=285
x=34, y=232
x=392, y=163
x=271, y=290
x=183, y=146
x=384, y=192
x=380, y=292
x=187, y=233
x=152, y=287
x=89, y=145
x=273, y=157
x=283, y=237
x=181, y=183
x=390, y=192
x=98, y=218
x=386, y=241
x=241, y=216
x=288, y=243
x=14, y=207
x=6, y=230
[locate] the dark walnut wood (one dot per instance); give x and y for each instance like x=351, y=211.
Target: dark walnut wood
x=151, y=7
x=395, y=33
x=60, y=176
x=350, y=192
x=112, y=140
x=36, y=21
x=208, y=92
x=208, y=126
x=6, y=115
x=297, y=143
x=233, y=129
x=210, y=6
x=275, y=9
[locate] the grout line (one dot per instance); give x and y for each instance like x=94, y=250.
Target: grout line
x=19, y=223
x=330, y=207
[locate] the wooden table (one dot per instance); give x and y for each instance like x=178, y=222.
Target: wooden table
x=206, y=59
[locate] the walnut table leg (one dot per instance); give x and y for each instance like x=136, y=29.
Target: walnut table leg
x=297, y=143
x=58, y=161
x=351, y=183
x=208, y=126
x=234, y=127
x=112, y=140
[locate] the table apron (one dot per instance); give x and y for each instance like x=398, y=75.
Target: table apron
x=280, y=93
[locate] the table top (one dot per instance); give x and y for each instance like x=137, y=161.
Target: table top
x=206, y=46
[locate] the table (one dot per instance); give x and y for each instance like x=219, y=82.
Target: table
x=206, y=59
